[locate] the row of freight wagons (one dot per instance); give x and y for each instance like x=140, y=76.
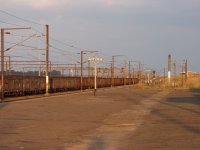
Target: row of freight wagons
x=27, y=85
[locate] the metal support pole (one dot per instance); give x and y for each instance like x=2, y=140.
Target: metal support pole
x=2, y=65
x=139, y=74
x=169, y=69
x=182, y=67
x=47, y=59
x=95, y=79
x=164, y=76
x=89, y=74
x=2, y=57
x=81, y=71
x=175, y=68
x=39, y=66
x=129, y=69
x=174, y=73
x=23, y=82
x=186, y=70
x=112, y=71
x=124, y=72
x=129, y=72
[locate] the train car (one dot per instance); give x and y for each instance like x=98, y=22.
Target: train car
x=24, y=85
x=13, y=85
x=59, y=84
x=29, y=85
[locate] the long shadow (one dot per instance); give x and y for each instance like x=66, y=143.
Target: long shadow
x=97, y=144
x=195, y=90
x=193, y=100
x=177, y=122
x=180, y=107
x=173, y=101
x=3, y=104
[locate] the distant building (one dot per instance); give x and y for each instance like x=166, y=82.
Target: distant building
x=192, y=74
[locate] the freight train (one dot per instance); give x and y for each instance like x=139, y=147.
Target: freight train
x=29, y=85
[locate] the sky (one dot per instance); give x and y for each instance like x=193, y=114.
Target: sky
x=141, y=30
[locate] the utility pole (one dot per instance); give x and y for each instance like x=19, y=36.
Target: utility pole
x=2, y=65
x=129, y=69
x=139, y=71
x=89, y=73
x=129, y=72
x=169, y=68
x=83, y=52
x=81, y=71
x=112, y=71
x=164, y=76
x=2, y=57
x=47, y=59
x=182, y=74
x=186, y=69
x=124, y=72
x=39, y=65
x=95, y=78
x=174, y=73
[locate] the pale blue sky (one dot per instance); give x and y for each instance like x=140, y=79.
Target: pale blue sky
x=146, y=30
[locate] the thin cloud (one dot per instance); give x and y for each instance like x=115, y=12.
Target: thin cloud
x=44, y=4
x=138, y=4
x=39, y=4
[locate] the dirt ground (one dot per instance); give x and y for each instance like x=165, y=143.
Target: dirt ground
x=115, y=119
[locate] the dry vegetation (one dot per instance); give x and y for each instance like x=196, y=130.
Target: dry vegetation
x=177, y=82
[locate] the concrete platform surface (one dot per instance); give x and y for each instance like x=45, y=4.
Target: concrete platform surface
x=115, y=119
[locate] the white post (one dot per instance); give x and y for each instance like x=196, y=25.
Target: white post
x=148, y=78
x=169, y=76
x=169, y=69
x=47, y=59
x=95, y=59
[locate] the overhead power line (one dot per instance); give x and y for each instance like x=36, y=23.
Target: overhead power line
x=42, y=34
x=25, y=20
x=68, y=45
x=27, y=46
x=33, y=22
x=11, y=23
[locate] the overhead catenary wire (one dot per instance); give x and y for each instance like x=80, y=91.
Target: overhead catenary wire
x=27, y=46
x=68, y=45
x=22, y=19
x=33, y=22
x=13, y=24
x=61, y=51
x=26, y=20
